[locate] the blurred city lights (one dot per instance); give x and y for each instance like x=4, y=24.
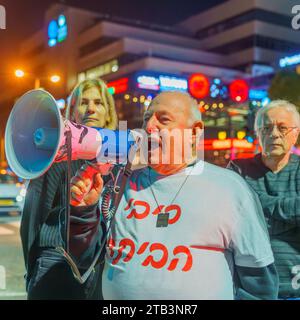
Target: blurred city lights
x=222, y=135
x=241, y=135
x=265, y=101
x=61, y=20
x=61, y=103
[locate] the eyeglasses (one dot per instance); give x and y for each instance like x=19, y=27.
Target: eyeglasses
x=283, y=130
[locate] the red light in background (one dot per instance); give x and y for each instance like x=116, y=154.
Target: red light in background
x=239, y=90
x=233, y=113
x=199, y=86
x=119, y=86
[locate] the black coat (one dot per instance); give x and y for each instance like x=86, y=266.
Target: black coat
x=43, y=194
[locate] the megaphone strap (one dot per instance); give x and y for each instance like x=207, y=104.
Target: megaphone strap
x=117, y=198
x=68, y=189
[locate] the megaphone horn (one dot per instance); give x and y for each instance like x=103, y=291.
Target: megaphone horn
x=35, y=137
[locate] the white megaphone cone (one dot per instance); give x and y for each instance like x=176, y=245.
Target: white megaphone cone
x=35, y=137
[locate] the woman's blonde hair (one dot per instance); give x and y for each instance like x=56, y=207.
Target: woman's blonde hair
x=108, y=101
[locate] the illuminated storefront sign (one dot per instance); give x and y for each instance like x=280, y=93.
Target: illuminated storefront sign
x=148, y=82
x=255, y=94
x=99, y=71
x=161, y=82
x=289, y=61
x=57, y=31
x=197, y=84
x=172, y=83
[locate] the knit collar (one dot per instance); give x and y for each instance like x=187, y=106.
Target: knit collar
x=294, y=159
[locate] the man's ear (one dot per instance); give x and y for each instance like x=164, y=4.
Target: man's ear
x=197, y=131
x=198, y=128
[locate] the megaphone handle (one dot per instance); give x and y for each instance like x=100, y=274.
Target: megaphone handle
x=89, y=172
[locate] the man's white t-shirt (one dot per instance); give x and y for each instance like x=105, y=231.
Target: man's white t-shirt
x=215, y=222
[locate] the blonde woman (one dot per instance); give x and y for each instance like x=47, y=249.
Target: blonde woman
x=48, y=276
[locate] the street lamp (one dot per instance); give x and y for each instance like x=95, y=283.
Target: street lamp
x=19, y=73
x=55, y=78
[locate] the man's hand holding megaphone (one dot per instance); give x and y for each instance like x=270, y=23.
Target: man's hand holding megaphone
x=87, y=184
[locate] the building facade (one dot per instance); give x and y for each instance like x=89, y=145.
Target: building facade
x=224, y=57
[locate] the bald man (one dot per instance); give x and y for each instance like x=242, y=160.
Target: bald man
x=184, y=229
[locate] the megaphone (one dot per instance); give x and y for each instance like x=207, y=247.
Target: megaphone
x=35, y=137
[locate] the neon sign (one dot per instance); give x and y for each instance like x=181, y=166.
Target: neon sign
x=57, y=31
x=255, y=94
x=172, y=83
x=199, y=86
x=229, y=143
x=148, y=82
x=239, y=90
x=118, y=86
x=161, y=83
x=289, y=61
